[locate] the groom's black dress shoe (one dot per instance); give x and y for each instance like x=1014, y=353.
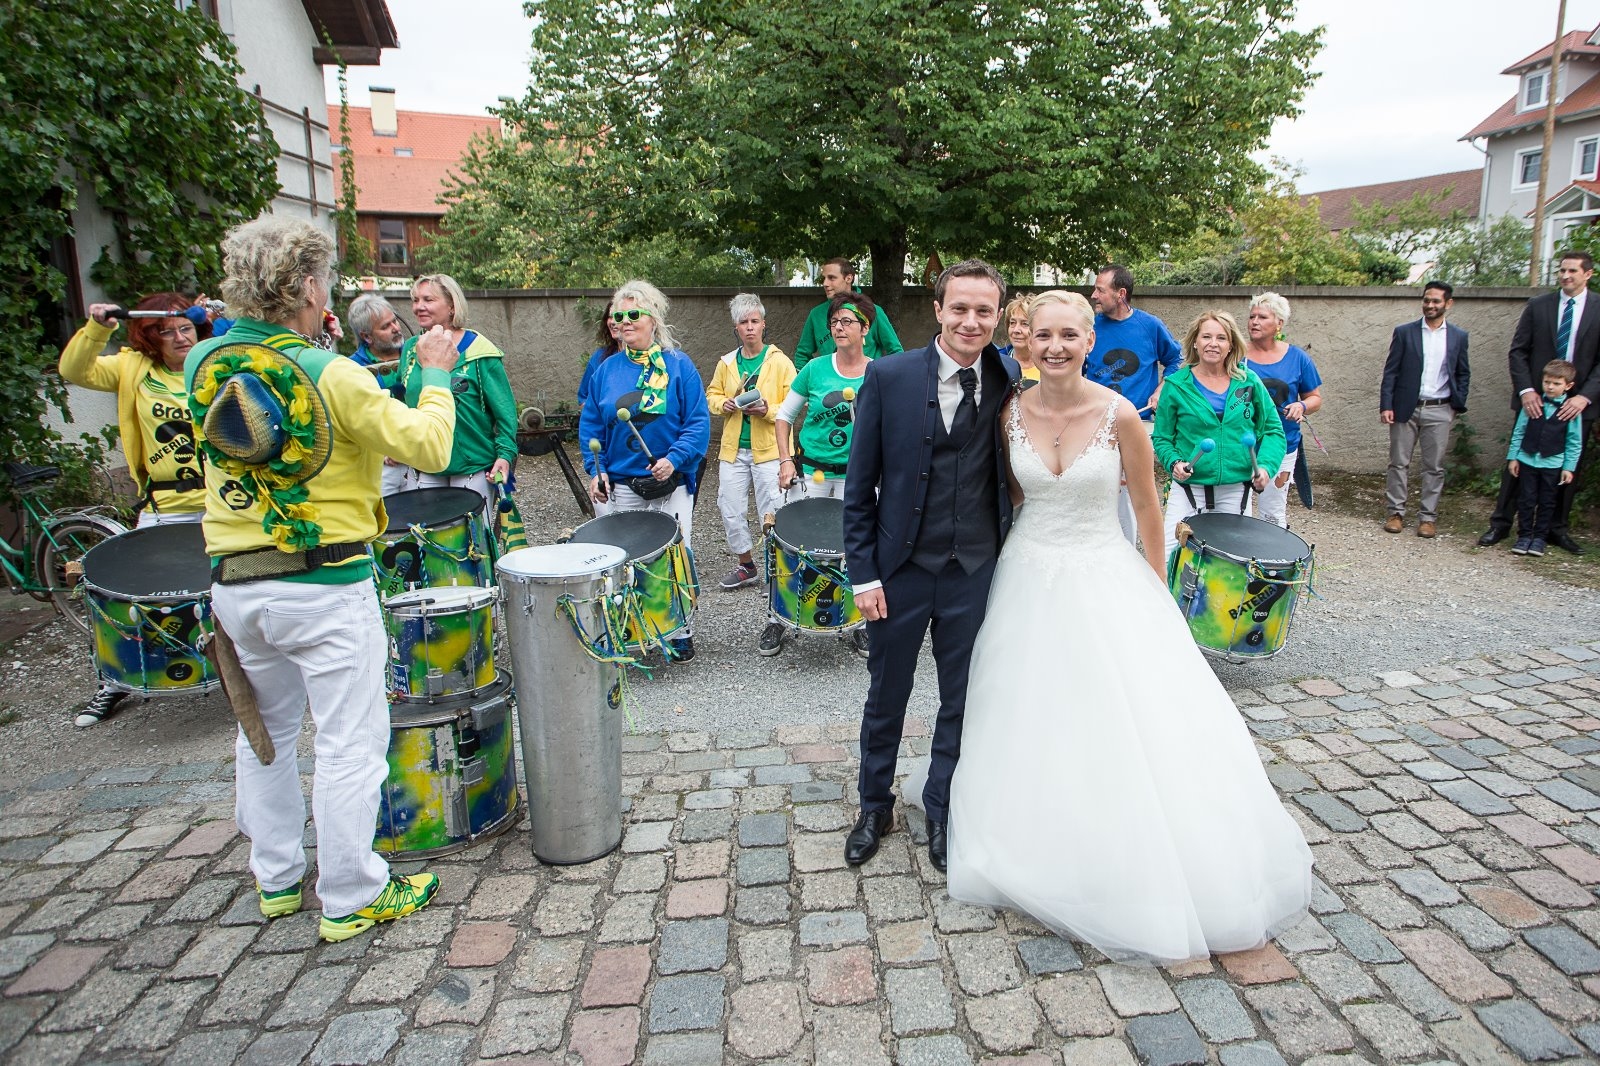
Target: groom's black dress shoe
x=1494, y=536
x=938, y=844
x=862, y=843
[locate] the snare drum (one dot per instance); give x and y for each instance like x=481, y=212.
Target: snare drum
x=1237, y=580
x=662, y=566
x=807, y=586
x=441, y=642
x=149, y=596
x=435, y=539
x=452, y=774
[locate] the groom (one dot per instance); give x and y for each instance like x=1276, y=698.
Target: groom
x=925, y=509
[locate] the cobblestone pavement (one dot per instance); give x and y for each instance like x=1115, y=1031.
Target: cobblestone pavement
x=1454, y=813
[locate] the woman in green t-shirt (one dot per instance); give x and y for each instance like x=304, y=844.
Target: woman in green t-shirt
x=821, y=401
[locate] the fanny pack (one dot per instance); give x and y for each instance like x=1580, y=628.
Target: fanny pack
x=265, y=563
x=648, y=488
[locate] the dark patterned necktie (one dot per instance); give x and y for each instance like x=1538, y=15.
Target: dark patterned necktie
x=965, y=422
x=1564, y=332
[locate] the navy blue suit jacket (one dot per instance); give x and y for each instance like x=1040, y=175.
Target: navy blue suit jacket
x=891, y=453
x=1534, y=344
x=1402, y=371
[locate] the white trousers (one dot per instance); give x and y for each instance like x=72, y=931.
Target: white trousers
x=806, y=489
x=733, y=496
x=321, y=645
x=479, y=483
x=679, y=505
x=150, y=517
x=394, y=477
x=1178, y=507
x=1272, y=503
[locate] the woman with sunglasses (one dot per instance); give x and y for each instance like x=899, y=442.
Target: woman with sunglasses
x=746, y=388
x=647, y=408
x=485, y=443
x=822, y=401
x=152, y=404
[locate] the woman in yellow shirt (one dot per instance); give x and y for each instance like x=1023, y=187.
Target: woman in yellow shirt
x=152, y=403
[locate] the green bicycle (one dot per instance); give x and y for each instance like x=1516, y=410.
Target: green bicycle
x=47, y=563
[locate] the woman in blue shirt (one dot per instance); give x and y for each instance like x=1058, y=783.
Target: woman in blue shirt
x=1296, y=387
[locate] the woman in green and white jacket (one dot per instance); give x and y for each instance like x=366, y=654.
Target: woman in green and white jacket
x=1214, y=396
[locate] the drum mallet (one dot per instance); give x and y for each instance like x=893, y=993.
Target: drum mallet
x=599, y=460
x=1205, y=445
x=625, y=416
x=124, y=313
x=1248, y=439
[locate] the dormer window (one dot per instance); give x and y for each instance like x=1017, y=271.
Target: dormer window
x=1535, y=89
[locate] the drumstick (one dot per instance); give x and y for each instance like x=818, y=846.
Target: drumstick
x=599, y=463
x=1306, y=422
x=1248, y=439
x=1149, y=407
x=849, y=394
x=1205, y=445
x=625, y=416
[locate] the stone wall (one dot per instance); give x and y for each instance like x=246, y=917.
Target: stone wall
x=550, y=333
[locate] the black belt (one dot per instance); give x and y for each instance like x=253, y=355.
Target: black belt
x=826, y=468
x=182, y=484
x=1433, y=403
x=265, y=563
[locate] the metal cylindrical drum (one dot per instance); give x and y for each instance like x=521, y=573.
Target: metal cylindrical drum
x=569, y=705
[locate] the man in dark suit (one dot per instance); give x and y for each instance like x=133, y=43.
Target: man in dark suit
x=1424, y=388
x=925, y=510
x=1555, y=325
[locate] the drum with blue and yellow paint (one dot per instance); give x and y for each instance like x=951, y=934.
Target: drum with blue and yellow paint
x=807, y=585
x=435, y=539
x=441, y=642
x=452, y=777
x=662, y=569
x=1237, y=581
x=149, y=597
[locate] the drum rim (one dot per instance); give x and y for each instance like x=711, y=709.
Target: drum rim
x=814, y=503
x=120, y=597
x=643, y=560
x=186, y=530
x=510, y=572
x=450, y=708
x=408, y=610
x=441, y=523
x=1215, y=549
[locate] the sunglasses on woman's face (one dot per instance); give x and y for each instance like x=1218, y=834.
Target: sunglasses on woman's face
x=632, y=314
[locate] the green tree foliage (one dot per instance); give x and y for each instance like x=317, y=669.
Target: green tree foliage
x=1209, y=256
x=1287, y=244
x=1021, y=130
x=1409, y=229
x=139, y=103
x=1496, y=254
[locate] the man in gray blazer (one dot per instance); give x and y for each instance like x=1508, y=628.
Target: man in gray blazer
x=1424, y=387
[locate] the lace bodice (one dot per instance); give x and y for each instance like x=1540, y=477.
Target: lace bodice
x=1069, y=519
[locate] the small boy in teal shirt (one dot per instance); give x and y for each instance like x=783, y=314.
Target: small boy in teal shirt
x=1543, y=456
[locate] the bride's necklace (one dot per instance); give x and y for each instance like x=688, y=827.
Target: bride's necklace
x=1050, y=424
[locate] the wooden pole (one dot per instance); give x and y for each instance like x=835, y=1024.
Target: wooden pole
x=1535, y=264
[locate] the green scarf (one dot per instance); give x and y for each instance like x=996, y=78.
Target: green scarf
x=653, y=379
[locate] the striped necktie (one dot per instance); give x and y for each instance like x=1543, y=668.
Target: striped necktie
x=1564, y=331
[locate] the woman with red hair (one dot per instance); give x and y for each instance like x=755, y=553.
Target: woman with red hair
x=152, y=404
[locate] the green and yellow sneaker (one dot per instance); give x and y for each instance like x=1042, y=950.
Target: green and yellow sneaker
x=283, y=901
x=400, y=897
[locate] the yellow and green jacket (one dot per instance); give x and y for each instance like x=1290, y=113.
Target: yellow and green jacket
x=368, y=424
x=772, y=381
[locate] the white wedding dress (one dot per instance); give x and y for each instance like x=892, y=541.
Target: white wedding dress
x=1107, y=785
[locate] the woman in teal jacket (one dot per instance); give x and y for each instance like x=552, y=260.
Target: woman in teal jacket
x=1214, y=397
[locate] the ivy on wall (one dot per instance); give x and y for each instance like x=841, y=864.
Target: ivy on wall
x=141, y=103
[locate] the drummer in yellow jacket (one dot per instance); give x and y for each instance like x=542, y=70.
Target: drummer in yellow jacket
x=152, y=403
x=294, y=438
x=746, y=388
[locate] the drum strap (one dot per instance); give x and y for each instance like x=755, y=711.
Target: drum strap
x=182, y=484
x=264, y=563
x=827, y=468
x=1210, y=495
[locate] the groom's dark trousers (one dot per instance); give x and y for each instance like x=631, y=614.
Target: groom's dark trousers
x=926, y=509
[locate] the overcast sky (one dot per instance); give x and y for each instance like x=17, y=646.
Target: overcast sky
x=1401, y=80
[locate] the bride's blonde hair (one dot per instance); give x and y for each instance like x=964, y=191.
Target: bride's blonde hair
x=1073, y=300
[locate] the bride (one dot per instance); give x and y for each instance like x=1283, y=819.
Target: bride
x=1107, y=786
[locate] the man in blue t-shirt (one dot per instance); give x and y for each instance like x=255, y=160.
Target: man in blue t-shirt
x=1133, y=353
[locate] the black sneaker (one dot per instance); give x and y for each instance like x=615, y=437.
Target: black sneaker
x=99, y=707
x=680, y=649
x=858, y=639
x=1521, y=546
x=772, y=638
x=1535, y=548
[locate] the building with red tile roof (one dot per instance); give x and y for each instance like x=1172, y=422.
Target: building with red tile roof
x=1461, y=189
x=404, y=160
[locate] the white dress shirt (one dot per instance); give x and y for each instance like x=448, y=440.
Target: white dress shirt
x=950, y=385
x=1435, y=379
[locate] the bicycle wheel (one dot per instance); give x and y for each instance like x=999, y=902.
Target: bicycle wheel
x=57, y=556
